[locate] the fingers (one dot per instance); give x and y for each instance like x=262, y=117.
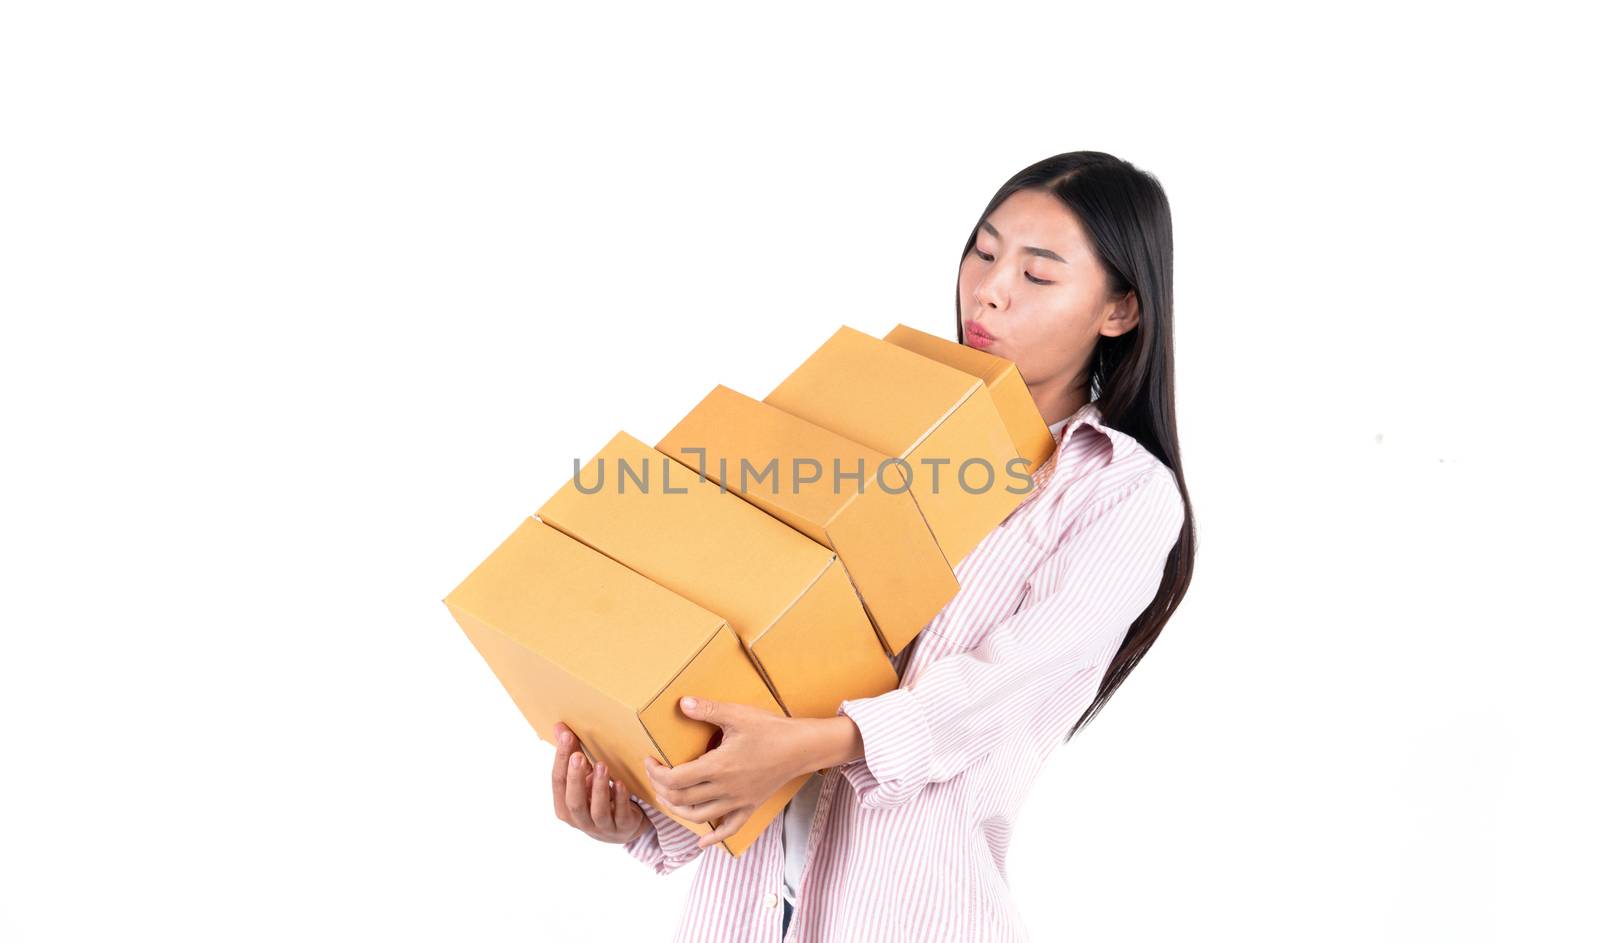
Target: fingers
x=600, y=800
x=565, y=743
x=577, y=794
x=624, y=811
x=701, y=708
x=693, y=773
x=695, y=800
x=693, y=795
x=704, y=813
x=586, y=798
x=682, y=813
x=629, y=818
x=730, y=824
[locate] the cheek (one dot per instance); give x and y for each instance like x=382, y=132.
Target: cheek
x=1048, y=333
x=964, y=277
x=1032, y=362
x=1067, y=318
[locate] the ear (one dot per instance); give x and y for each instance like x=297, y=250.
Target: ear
x=1123, y=317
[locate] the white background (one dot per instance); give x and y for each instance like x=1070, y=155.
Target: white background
x=307, y=304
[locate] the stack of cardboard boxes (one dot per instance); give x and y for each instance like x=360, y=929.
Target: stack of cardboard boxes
x=770, y=552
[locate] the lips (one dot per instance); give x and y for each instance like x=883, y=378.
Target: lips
x=976, y=336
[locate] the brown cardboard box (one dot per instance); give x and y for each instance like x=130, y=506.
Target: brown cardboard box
x=762, y=454
x=924, y=412
x=577, y=637
x=1029, y=432
x=786, y=596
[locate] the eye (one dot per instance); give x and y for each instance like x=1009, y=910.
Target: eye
x=989, y=258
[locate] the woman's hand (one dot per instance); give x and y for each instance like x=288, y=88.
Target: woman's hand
x=586, y=800
x=760, y=752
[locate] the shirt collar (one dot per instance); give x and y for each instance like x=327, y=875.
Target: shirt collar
x=1060, y=430
x=1087, y=413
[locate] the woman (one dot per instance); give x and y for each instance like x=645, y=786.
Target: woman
x=903, y=835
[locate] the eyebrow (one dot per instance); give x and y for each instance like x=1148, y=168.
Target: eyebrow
x=1031, y=250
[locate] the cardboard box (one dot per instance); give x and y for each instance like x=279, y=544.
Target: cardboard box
x=576, y=637
x=766, y=455
x=1028, y=430
x=786, y=597
x=924, y=412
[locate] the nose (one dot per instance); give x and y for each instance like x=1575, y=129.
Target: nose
x=989, y=293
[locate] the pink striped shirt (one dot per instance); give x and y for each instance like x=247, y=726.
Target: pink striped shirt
x=909, y=842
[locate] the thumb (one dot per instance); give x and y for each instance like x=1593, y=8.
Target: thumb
x=703, y=708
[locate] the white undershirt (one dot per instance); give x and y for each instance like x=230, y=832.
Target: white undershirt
x=796, y=829
x=798, y=813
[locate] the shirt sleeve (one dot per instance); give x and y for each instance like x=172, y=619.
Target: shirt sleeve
x=666, y=847
x=1102, y=574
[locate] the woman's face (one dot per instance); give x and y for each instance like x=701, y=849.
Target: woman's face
x=1032, y=283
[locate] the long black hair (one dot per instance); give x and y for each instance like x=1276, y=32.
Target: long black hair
x=1125, y=213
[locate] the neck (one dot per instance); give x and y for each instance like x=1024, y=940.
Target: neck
x=1056, y=406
